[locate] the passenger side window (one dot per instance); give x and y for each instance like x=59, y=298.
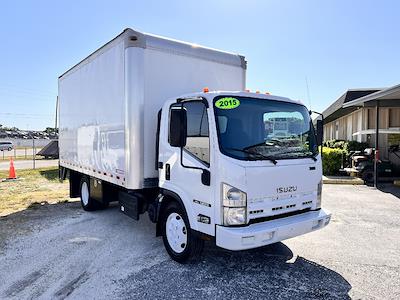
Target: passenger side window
x=198, y=141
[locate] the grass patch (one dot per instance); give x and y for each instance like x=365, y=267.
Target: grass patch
x=36, y=187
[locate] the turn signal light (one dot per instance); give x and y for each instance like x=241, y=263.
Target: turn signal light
x=206, y=90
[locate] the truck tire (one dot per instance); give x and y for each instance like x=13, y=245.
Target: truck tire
x=181, y=243
x=368, y=176
x=88, y=204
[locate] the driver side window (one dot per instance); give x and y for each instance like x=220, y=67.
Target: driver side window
x=198, y=141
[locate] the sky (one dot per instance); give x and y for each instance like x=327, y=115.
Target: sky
x=330, y=45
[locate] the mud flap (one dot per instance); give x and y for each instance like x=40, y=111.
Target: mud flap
x=131, y=204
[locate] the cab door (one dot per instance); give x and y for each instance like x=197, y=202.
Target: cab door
x=186, y=171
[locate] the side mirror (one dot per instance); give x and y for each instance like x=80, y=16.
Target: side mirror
x=177, y=127
x=320, y=132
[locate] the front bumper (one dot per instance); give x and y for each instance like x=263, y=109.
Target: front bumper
x=269, y=232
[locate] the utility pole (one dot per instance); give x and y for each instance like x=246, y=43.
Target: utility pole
x=376, y=154
x=34, y=152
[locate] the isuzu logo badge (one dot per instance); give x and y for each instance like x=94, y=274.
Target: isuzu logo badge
x=286, y=189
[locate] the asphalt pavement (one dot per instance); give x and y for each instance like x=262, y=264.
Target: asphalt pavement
x=59, y=251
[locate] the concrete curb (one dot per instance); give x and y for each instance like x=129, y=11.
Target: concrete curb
x=342, y=180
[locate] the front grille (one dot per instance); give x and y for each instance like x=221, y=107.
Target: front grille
x=280, y=216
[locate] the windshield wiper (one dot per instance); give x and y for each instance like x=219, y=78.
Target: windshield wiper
x=270, y=142
x=252, y=146
x=307, y=155
x=254, y=153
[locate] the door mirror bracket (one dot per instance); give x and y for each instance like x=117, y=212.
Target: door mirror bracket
x=205, y=175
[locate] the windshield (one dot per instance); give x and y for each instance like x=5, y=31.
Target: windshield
x=262, y=129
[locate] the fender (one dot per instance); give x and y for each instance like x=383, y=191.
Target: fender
x=176, y=197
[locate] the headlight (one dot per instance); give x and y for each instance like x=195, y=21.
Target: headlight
x=234, y=215
x=319, y=195
x=234, y=203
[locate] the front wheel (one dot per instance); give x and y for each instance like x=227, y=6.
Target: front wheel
x=179, y=241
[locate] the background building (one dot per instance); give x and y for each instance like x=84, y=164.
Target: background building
x=353, y=117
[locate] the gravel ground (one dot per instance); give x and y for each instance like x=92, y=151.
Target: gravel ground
x=59, y=251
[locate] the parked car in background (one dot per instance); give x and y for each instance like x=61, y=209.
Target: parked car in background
x=6, y=146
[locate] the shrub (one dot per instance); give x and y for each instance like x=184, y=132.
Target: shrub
x=347, y=146
x=329, y=143
x=339, y=144
x=331, y=161
x=355, y=146
x=334, y=144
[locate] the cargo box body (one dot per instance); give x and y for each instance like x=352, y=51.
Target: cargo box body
x=108, y=103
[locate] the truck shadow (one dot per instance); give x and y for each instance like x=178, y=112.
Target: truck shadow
x=389, y=189
x=263, y=273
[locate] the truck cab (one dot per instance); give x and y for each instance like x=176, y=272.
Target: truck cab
x=228, y=173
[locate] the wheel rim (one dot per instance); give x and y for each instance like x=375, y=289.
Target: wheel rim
x=85, y=193
x=176, y=233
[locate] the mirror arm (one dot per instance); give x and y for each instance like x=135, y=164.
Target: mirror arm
x=205, y=181
x=315, y=112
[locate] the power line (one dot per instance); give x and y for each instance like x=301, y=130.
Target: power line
x=27, y=117
x=22, y=114
x=20, y=88
x=27, y=95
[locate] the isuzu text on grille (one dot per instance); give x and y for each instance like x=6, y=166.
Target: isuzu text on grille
x=287, y=189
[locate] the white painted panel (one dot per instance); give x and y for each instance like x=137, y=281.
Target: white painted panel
x=92, y=116
x=109, y=103
x=134, y=91
x=171, y=75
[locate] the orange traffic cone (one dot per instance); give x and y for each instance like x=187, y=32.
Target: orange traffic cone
x=12, y=174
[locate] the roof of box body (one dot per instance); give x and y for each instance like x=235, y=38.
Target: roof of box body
x=133, y=38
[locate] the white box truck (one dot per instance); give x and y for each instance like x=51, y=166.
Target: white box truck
x=238, y=168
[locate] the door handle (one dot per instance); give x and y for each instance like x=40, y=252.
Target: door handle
x=167, y=172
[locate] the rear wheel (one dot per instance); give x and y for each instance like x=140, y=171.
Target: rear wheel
x=87, y=202
x=179, y=241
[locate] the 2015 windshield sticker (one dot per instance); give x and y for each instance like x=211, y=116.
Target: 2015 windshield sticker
x=227, y=103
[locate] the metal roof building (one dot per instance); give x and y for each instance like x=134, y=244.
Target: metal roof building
x=368, y=115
